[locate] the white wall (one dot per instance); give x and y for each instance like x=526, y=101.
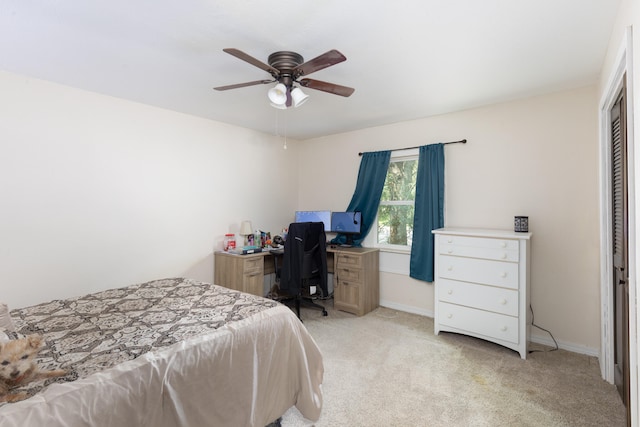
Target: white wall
x=98, y=192
x=535, y=157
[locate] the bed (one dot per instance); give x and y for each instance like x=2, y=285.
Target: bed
x=171, y=352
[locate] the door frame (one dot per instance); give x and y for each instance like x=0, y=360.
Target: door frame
x=623, y=66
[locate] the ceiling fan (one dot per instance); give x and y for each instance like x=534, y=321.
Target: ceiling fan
x=287, y=68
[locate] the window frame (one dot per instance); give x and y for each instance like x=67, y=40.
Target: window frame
x=372, y=239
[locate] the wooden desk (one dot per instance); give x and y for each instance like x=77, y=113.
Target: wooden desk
x=355, y=271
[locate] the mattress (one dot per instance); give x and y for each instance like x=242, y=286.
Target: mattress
x=171, y=352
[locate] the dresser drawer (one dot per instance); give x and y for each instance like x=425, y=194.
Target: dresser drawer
x=489, y=298
x=492, y=325
x=480, y=242
x=476, y=247
x=482, y=253
x=497, y=273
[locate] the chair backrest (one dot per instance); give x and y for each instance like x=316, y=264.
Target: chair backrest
x=305, y=256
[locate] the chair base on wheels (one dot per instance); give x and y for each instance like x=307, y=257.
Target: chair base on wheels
x=308, y=302
x=300, y=301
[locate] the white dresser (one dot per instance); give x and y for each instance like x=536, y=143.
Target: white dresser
x=482, y=285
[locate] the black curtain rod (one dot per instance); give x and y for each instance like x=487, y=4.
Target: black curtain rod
x=462, y=141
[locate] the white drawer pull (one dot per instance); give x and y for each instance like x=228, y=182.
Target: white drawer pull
x=449, y=316
x=450, y=268
x=503, y=244
x=503, y=274
x=449, y=240
x=503, y=301
x=504, y=255
x=450, y=251
x=503, y=329
x=450, y=291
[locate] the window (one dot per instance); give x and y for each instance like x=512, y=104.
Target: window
x=395, y=213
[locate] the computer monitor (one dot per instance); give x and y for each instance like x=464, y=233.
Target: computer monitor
x=315, y=216
x=347, y=223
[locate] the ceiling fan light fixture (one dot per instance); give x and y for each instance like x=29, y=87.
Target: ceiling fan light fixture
x=298, y=96
x=278, y=94
x=279, y=106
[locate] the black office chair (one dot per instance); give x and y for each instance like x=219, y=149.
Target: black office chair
x=304, y=264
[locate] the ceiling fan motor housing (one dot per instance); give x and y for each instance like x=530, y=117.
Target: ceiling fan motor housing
x=285, y=62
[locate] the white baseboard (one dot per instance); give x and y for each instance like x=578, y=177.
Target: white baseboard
x=407, y=308
x=575, y=348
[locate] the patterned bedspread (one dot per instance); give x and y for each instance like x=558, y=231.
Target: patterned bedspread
x=88, y=334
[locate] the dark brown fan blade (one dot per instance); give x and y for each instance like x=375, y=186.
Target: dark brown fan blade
x=327, y=87
x=318, y=63
x=251, y=60
x=257, y=82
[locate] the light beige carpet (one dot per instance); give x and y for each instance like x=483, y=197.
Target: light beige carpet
x=389, y=369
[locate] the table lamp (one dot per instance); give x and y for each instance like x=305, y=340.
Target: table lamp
x=246, y=230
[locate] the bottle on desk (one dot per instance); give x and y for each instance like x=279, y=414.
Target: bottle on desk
x=229, y=242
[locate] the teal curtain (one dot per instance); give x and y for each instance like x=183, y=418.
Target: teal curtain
x=429, y=210
x=366, y=197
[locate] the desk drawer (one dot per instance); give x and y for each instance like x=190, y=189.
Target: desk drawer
x=492, y=325
x=348, y=261
x=253, y=265
x=349, y=274
x=497, y=273
x=489, y=298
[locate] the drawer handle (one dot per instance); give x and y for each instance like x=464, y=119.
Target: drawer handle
x=504, y=255
x=503, y=329
x=449, y=240
x=450, y=251
x=450, y=291
x=450, y=268
x=503, y=301
x=449, y=316
x=503, y=244
x=503, y=274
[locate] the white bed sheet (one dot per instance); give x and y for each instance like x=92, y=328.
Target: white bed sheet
x=246, y=373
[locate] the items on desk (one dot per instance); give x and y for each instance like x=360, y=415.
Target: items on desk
x=278, y=241
x=245, y=250
x=265, y=236
x=246, y=230
x=229, y=242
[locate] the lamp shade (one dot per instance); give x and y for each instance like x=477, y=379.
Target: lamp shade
x=278, y=94
x=245, y=228
x=299, y=97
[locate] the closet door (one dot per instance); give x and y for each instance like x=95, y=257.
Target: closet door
x=620, y=245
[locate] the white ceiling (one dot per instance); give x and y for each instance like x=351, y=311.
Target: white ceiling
x=406, y=59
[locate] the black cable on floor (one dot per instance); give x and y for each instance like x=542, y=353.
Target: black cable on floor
x=543, y=329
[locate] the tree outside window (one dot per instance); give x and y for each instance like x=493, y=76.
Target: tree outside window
x=395, y=213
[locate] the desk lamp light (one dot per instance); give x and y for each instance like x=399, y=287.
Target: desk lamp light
x=246, y=230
